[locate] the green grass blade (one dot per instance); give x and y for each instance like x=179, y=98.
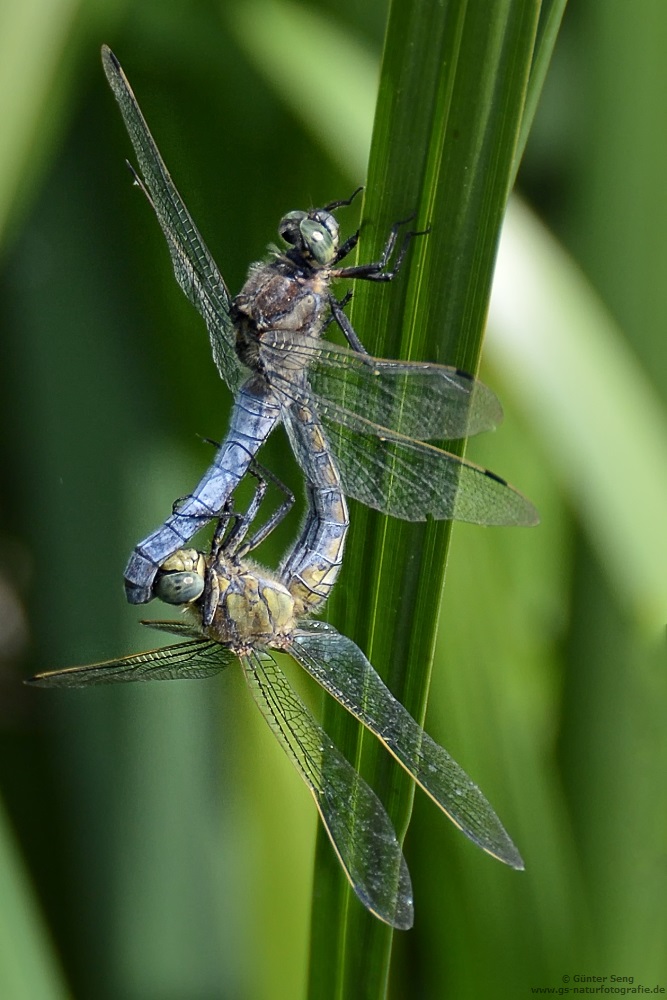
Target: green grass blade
x=551, y=15
x=451, y=104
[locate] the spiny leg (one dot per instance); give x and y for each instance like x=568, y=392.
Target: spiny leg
x=263, y=476
x=375, y=270
x=343, y=321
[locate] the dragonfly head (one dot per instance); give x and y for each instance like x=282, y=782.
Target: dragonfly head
x=181, y=577
x=314, y=235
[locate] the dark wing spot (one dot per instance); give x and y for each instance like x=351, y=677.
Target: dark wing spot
x=498, y=479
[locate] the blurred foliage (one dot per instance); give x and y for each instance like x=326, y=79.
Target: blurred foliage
x=166, y=839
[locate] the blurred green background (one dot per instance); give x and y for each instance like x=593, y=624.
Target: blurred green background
x=155, y=844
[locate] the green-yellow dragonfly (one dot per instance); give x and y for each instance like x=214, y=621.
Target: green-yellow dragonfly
x=237, y=610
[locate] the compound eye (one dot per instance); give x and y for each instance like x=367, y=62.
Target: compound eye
x=181, y=578
x=289, y=228
x=329, y=221
x=318, y=242
x=179, y=588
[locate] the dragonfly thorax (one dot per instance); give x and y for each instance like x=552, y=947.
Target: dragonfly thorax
x=248, y=607
x=237, y=604
x=279, y=302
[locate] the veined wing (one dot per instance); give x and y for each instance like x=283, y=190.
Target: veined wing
x=194, y=267
x=354, y=818
x=177, y=626
x=407, y=478
x=342, y=669
x=185, y=660
x=412, y=398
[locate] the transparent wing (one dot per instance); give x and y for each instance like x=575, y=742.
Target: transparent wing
x=184, y=661
x=194, y=267
x=354, y=818
x=406, y=478
x=179, y=627
x=415, y=399
x=342, y=669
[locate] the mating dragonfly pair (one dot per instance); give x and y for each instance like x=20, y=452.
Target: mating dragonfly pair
x=358, y=426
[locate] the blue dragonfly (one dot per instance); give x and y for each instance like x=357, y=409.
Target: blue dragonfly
x=373, y=415
x=236, y=610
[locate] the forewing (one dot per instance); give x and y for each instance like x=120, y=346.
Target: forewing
x=184, y=661
x=194, y=267
x=410, y=479
x=357, y=824
x=342, y=669
x=415, y=399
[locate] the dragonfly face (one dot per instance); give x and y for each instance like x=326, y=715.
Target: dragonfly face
x=374, y=415
x=181, y=579
x=314, y=236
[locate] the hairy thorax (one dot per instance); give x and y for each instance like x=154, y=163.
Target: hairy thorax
x=279, y=305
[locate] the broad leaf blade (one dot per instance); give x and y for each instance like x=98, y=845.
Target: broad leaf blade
x=452, y=98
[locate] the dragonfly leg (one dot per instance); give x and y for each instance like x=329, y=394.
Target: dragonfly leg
x=340, y=304
x=347, y=247
x=376, y=270
x=242, y=522
x=344, y=323
x=262, y=475
x=232, y=544
x=219, y=542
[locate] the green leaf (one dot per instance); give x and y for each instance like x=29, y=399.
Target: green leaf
x=452, y=99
